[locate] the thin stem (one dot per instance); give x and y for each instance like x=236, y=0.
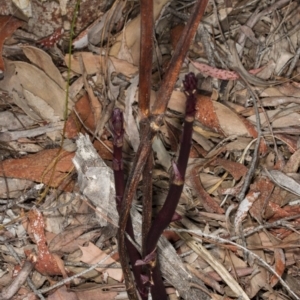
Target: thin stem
x=165, y=215
x=131, y=186
x=116, y=123
x=145, y=68
x=170, y=78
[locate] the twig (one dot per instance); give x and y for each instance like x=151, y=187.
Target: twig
x=9, y=291
x=69, y=279
x=169, y=80
x=145, y=67
x=29, y=281
x=251, y=170
x=255, y=256
x=293, y=63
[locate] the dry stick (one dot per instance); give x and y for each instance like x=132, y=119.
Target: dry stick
x=170, y=78
x=160, y=106
x=116, y=124
x=252, y=254
x=251, y=170
x=145, y=69
x=9, y=291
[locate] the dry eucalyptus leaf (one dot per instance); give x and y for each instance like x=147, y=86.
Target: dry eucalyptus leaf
x=43, y=60
x=23, y=76
x=10, y=121
x=24, y=6
x=45, y=111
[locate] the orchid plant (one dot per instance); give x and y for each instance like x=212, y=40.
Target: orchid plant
x=144, y=264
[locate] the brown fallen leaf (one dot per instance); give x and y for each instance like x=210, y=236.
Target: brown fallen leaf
x=209, y=204
x=63, y=293
x=279, y=265
x=221, y=119
x=38, y=167
x=92, y=254
x=8, y=25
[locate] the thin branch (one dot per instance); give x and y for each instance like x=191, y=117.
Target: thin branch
x=145, y=67
x=170, y=78
x=9, y=291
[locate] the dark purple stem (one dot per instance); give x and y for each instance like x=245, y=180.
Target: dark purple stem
x=116, y=125
x=165, y=215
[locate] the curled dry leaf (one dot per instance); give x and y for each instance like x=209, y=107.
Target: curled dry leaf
x=209, y=204
x=237, y=170
x=8, y=25
x=45, y=262
x=244, y=207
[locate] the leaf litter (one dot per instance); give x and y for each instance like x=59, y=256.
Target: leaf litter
x=57, y=206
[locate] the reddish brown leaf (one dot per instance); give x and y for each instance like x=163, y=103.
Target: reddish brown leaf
x=265, y=186
x=8, y=25
x=279, y=265
x=38, y=167
x=244, y=207
x=222, y=119
x=51, y=40
x=74, y=126
x=206, y=114
x=236, y=169
x=209, y=204
x=45, y=262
